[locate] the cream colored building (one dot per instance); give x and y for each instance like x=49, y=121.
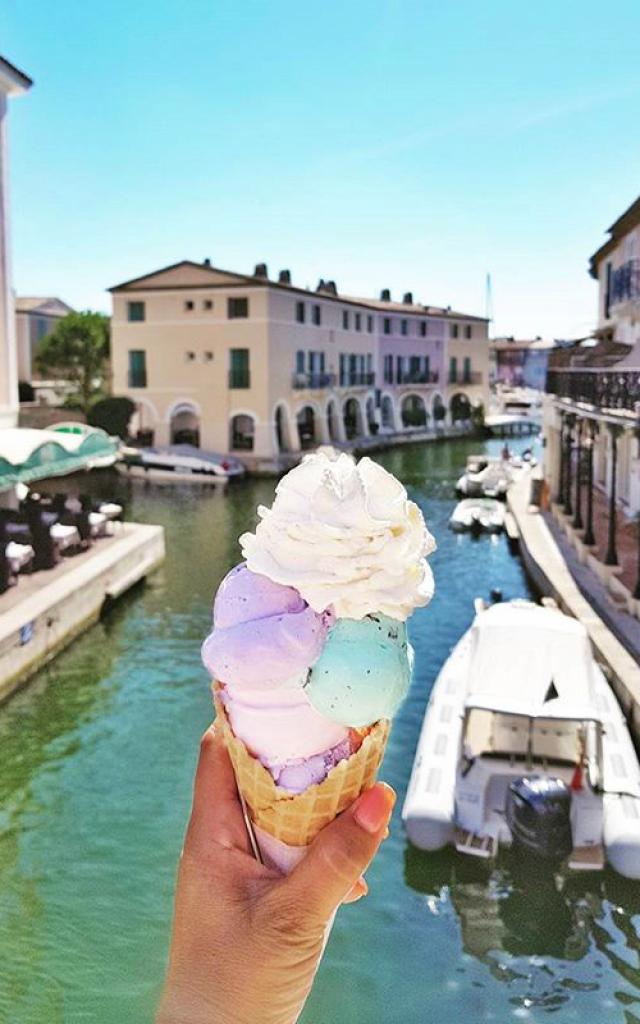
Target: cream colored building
x=241, y=363
x=12, y=83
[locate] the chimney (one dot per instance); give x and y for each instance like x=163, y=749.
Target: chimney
x=206, y=262
x=331, y=288
x=407, y=298
x=261, y=270
x=284, y=277
x=385, y=295
x=321, y=285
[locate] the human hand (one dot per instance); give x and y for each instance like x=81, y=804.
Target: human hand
x=247, y=941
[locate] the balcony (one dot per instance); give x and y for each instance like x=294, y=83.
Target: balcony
x=313, y=381
x=357, y=380
x=473, y=377
x=239, y=378
x=137, y=378
x=417, y=377
x=625, y=284
x=603, y=389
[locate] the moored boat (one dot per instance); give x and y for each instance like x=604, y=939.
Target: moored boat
x=523, y=743
x=478, y=515
x=179, y=463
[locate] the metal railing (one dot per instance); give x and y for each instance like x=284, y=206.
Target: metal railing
x=472, y=377
x=357, y=380
x=625, y=283
x=137, y=378
x=602, y=388
x=417, y=377
x=313, y=381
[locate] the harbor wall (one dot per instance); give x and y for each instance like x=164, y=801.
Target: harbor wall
x=54, y=608
x=550, y=575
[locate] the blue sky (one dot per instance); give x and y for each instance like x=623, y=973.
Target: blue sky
x=382, y=143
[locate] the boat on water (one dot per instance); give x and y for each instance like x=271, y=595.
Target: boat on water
x=524, y=744
x=490, y=477
x=178, y=463
x=478, y=515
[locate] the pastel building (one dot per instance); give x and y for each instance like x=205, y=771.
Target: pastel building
x=246, y=364
x=12, y=83
x=35, y=318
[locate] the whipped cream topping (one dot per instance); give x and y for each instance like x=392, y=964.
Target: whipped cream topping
x=346, y=536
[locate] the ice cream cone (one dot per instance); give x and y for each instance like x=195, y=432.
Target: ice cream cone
x=296, y=818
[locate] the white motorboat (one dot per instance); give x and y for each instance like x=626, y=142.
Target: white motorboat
x=178, y=463
x=524, y=743
x=484, y=477
x=478, y=515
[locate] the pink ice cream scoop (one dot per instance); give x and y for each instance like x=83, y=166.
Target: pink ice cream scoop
x=264, y=633
x=264, y=641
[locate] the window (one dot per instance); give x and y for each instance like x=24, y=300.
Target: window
x=300, y=312
x=388, y=369
x=399, y=369
x=135, y=311
x=466, y=370
x=607, y=291
x=454, y=330
x=237, y=309
x=345, y=320
x=208, y=304
x=358, y=320
x=190, y=356
x=239, y=376
x=208, y=357
x=467, y=331
x=343, y=369
x=316, y=315
x=42, y=327
x=404, y=327
x=242, y=433
x=300, y=362
x=370, y=324
x=453, y=370
x=386, y=325
x=423, y=328
x=137, y=368
x=188, y=306
x=427, y=369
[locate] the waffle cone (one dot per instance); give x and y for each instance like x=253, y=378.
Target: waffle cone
x=296, y=818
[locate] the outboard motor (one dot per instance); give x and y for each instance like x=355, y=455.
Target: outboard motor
x=538, y=814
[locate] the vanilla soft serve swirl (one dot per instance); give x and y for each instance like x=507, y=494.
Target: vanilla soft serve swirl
x=346, y=536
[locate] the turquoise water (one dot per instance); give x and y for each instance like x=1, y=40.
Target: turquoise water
x=96, y=759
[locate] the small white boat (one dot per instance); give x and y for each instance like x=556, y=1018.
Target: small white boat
x=524, y=743
x=478, y=515
x=484, y=477
x=178, y=463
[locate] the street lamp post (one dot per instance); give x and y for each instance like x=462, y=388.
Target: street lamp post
x=577, y=519
x=589, y=536
x=612, y=551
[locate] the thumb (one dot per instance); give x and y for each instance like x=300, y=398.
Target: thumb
x=341, y=853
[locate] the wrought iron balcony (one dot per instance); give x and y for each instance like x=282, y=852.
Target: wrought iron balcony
x=239, y=378
x=625, y=283
x=313, y=381
x=604, y=389
x=417, y=377
x=357, y=380
x=471, y=377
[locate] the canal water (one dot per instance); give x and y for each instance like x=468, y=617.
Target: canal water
x=96, y=761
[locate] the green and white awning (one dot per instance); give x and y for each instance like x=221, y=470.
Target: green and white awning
x=27, y=455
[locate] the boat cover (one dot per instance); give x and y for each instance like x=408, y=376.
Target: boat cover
x=533, y=661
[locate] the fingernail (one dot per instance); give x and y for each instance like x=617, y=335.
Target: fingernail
x=386, y=834
x=373, y=809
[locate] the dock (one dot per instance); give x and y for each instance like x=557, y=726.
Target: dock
x=47, y=610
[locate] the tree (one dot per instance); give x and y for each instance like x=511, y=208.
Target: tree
x=112, y=415
x=77, y=351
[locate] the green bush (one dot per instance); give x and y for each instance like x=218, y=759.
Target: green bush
x=113, y=415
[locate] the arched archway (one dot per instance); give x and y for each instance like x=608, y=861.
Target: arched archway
x=352, y=417
x=306, y=420
x=387, y=413
x=333, y=425
x=372, y=422
x=242, y=430
x=438, y=409
x=184, y=425
x=413, y=412
x=282, y=428
x=143, y=422
x=459, y=407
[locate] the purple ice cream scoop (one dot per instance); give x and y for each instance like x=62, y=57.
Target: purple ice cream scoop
x=264, y=633
x=299, y=775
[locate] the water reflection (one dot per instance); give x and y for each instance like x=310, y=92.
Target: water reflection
x=543, y=933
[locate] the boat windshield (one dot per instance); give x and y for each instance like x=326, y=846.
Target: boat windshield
x=545, y=741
